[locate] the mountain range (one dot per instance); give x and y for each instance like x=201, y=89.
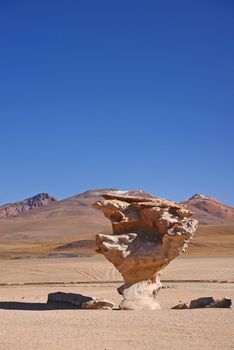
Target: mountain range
x=43, y=226
x=14, y=209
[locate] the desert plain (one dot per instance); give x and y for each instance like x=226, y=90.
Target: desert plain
x=26, y=322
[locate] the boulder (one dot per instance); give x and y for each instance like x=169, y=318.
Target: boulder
x=80, y=301
x=205, y=302
x=148, y=233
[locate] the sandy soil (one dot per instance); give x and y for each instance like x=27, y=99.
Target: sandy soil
x=96, y=269
x=27, y=323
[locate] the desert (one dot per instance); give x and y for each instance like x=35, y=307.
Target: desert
x=27, y=323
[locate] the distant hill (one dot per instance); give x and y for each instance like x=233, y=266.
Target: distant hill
x=42, y=226
x=14, y=209
x=210, y=211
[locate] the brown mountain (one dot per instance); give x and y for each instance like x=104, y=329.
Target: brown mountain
x=46, y=228
x=14, y=209
x=67, y=227
x=210, y=211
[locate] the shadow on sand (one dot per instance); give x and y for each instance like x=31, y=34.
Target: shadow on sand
x=13, y=305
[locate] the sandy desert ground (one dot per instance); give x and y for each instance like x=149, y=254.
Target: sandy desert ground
x=26, y=322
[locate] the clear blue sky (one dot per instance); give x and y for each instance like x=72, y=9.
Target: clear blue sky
x=117, y=93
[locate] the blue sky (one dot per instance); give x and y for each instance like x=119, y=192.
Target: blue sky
x=125, y=94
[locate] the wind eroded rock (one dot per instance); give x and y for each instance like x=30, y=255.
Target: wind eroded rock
x=80, y=301
x=147, y=234
x=205, y=302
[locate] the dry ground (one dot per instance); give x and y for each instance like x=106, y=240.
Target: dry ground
x=20, y=238
x=26, y=323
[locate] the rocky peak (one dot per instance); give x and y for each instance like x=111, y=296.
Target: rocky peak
x=199, y=196
x=37, y=201
x=209, y=211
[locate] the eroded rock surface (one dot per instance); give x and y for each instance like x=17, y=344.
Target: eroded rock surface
x=204, y=302
x=147, y=234
x=26, y=205
x=80, y=301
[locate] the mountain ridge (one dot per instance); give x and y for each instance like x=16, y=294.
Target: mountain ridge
x=68, y=227
x=207, y=210
x=25, y=205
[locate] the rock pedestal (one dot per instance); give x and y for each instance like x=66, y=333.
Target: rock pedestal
x=147, y=234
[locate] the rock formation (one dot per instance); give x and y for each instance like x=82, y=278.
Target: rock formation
x=80, y=301
x=147, y=234
x=204, y=302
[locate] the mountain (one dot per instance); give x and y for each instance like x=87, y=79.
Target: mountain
x=210, y=211
x=47, y=228
x=14, y=209
x=40, y=231
x=41, y=226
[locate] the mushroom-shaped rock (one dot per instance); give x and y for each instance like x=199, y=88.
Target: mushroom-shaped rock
x=147, y=234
